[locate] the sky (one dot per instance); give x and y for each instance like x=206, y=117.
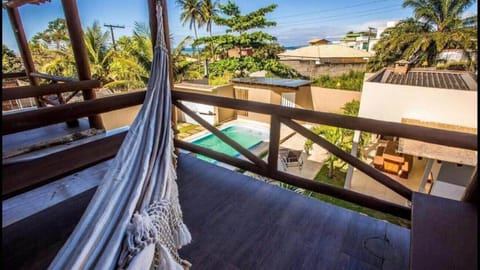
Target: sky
x=297, y=20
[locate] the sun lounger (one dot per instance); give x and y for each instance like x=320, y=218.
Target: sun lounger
x=291, y=158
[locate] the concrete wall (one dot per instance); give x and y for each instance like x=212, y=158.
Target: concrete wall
x=120, y=118
x=309, y=69
x=332, y=100
x=221, y=114
x=392, y=102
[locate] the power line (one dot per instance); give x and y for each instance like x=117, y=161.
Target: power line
x=329, y=10
x=343, y=16
x=111, y=26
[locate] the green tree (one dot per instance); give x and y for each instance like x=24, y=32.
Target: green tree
x=341, y=137
x=10, y=61
x=209, y=11
x=56, y=34
x=100, y=54
x=444, y=15
x=437, y=25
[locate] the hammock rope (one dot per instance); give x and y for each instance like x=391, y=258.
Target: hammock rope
x=134, y=220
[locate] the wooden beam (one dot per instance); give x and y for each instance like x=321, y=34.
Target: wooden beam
x=472, y=192
x=273, y=144
x=352, y=160
x=24, y=175
x=22, y=43
x=16, y=122
x=242, y=164
x=40, y=90
x=431, y=135
x=340, y=193
x=53, y=77
x=80, y=53
x=14, y=75
x=18, y=3
x=260, y=163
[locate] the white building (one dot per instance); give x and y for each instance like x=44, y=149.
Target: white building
x=432, y=98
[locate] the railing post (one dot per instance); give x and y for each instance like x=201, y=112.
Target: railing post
x=22, y=43
x=471, y=192
x=80, y=53
x=273, y=144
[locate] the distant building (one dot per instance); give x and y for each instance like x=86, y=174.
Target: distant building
x=328, y=59
x=318, y=41
x=364, y=40
x=237, y=52
x=441, y=99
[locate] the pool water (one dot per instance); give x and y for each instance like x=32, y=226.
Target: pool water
x=246, y=137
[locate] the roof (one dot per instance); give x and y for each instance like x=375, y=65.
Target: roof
x=317, y=40
x=436, y=151
x=427, y=77
x=290, y=83
x=325, y=51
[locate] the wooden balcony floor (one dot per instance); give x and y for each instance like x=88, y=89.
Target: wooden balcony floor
x=240, y=223
x=236, y=223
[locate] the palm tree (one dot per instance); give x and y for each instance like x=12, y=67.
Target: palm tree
x=191, y=14
x=209, y=11
x=437, y=25
x=99, y=53
x=445, y=15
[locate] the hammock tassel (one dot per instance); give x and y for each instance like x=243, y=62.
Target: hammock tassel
x=182, y=236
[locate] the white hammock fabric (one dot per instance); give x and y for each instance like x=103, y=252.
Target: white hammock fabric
x=134, y=220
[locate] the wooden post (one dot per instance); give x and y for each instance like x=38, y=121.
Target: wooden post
x=27, y=59
x=80, y=53
x=273, y=144
x=152, y=11
x=471, y=192
x=426, y=173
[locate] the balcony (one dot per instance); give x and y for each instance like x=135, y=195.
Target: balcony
x=237, y=222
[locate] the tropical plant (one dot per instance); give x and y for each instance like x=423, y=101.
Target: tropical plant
x=240, y=28
x=444, y=15
x=353, y=80
x=437, y=25
x=10, y=61
x=56, y=34
x=342, y=138
x=209, y=11
x=99, y=53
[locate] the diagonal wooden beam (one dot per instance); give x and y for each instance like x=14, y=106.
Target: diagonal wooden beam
x=352, y=160
x=34, y=91
x=260, y=163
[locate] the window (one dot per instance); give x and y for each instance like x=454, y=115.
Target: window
x=288, y=99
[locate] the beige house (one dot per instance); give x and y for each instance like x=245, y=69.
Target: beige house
x=212, y=114
x=441, y=99
x=285, y=92
x=325, y=59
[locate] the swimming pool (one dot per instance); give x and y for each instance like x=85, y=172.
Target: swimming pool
x=245, y=136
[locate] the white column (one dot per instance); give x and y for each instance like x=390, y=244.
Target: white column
x=428, y=169
x=348, y=177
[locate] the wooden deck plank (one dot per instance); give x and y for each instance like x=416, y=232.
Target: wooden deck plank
x=444, y=233
x=236, y=223
x=249, y=224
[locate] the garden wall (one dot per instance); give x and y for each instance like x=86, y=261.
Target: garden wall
x=332, y=100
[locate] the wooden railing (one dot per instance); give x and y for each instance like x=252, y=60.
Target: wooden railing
x=279, y=115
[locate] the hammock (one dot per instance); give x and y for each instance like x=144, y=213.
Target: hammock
x=134, y=220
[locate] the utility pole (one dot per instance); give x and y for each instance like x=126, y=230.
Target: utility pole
x=111, y=31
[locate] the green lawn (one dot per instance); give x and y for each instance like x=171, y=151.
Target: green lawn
x=339, y=180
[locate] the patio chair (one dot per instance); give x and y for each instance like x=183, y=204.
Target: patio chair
x=291, y=158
